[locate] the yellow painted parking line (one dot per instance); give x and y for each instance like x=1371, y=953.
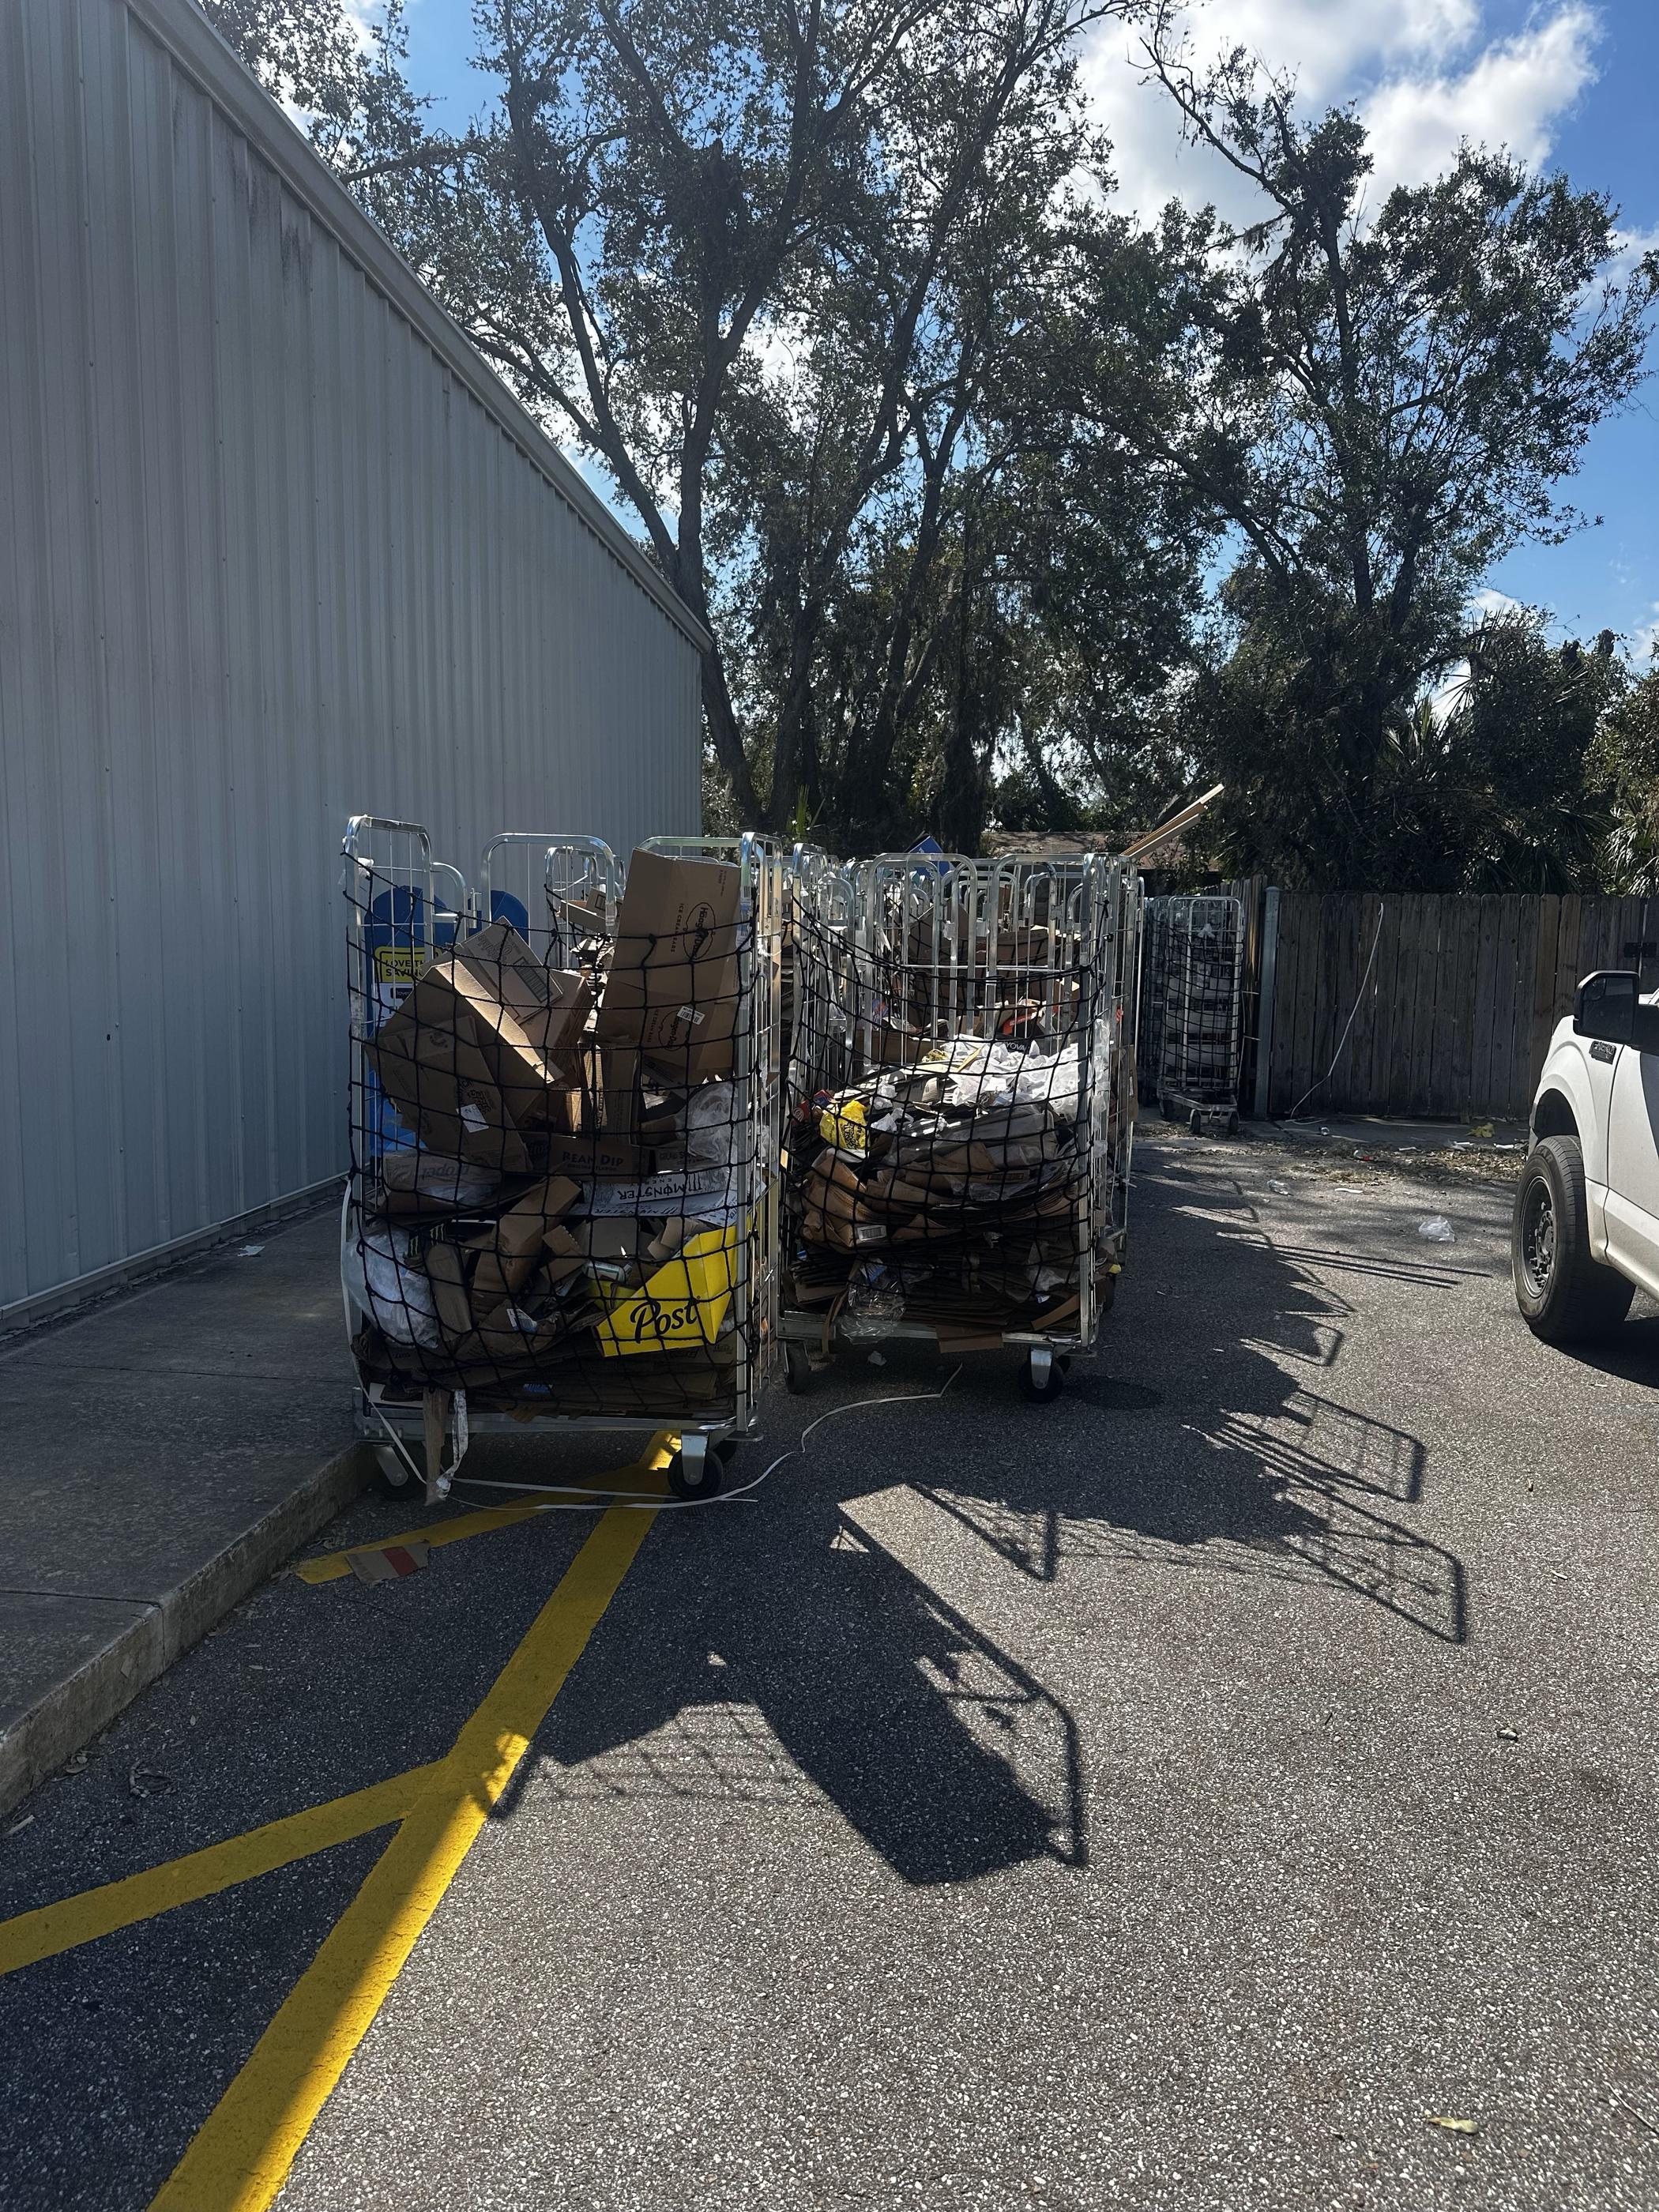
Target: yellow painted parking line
x=330, y=1567
x=241, y=2157
x=94, y=1913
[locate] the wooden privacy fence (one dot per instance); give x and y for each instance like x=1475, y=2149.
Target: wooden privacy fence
x=1452, y=999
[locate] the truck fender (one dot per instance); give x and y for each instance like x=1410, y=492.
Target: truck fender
x=1569, y=1103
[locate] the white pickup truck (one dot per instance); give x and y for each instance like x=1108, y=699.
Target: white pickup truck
x=1585, y=1234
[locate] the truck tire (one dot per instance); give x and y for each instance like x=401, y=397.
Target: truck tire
x=1564, y=1295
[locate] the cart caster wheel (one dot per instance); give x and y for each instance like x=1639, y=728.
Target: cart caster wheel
x=701, y=1476
x=1042, y=1386
x=391, y=1477
x=797, y=1370
x=1232, y=1124
x=1195, y=1122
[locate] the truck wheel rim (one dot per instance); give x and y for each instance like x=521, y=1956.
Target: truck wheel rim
x=1538, y=1238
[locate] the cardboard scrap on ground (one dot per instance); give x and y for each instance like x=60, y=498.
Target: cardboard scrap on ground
x=384, y=1563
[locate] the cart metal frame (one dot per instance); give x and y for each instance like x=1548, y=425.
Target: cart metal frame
x=872, y=912
x=1191, y=1039
x=568, y=869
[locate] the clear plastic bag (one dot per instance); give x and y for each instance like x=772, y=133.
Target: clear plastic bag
x=396, y=1297
x=874, y=1300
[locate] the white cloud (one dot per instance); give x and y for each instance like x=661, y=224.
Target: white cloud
x=363, y=18
x=1424, y=74
x=1629, y=246
x=1644, y=639
x=1488, y=600
x=1512, y=95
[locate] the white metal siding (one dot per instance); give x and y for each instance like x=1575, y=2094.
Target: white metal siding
x=267, y=558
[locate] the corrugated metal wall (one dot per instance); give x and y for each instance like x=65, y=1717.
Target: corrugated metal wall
x=266, y=559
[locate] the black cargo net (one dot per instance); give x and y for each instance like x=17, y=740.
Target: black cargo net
x=947, y=1092
x=557, y=1181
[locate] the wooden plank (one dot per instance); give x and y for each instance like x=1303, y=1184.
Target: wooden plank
x=1387, y=984
x=1453, y=1064
x=1397, y=1090
x=1332, y=1015
x=1307, y=1000
x=1481, y=1042
x=1526, y=954
x=1346, y=1083
x=1502, y=1005
x=1468, y=953
x=1546, y=911
x=1636, y=927
x=1566, y=969
x=1286, y=985
x=1424, y=1001
x=1362, y=1042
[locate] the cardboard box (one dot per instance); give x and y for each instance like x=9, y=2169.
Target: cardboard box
x=598, y=1156
x=509, y=1252
x=447, y=1272
x=677, y=911
x=681, y=1305
x=682, y=1015
x=550, y=1005
x=441, y=1089
x=485, y=1048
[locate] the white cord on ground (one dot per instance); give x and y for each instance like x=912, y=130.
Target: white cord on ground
x=1359, y=1000
x=636, y=1501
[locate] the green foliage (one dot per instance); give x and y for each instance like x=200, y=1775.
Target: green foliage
x=1625, y=763
x=1384, y=401
x=999, y=506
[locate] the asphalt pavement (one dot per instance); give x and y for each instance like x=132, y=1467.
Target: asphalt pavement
x=1181, y=1795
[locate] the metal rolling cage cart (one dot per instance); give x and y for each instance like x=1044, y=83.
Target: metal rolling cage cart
x=1190, y=1040
x=562, y=1205
x=960, y=1105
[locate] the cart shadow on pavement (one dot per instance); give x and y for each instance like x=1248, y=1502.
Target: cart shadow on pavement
x=1243, y=1471
x=783, y=1657
x=819, y=1672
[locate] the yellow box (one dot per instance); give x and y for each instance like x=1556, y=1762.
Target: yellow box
x=682, y=1304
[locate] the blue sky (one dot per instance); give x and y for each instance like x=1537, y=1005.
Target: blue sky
x=1568, y=83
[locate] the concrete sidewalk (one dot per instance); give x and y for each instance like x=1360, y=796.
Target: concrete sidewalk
x=164, y=1452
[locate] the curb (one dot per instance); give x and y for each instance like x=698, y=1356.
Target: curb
x=71, y=1712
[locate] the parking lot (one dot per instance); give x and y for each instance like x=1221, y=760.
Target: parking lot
x=1185, y=1793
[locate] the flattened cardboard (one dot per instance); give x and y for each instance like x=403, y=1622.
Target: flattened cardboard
x=447, y=1272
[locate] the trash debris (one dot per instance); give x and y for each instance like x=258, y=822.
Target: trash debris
x=1434, y=1229
x=1481, y=1129
x=250, y=1251
x=78, y=1764
x=1453, y=2127
x=384, y=1563
x=1508, y=1735
x=1278, y=1189
x=1324, y=1128
x=877, y=1360
x=147, y=1782
x=18, y=1827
